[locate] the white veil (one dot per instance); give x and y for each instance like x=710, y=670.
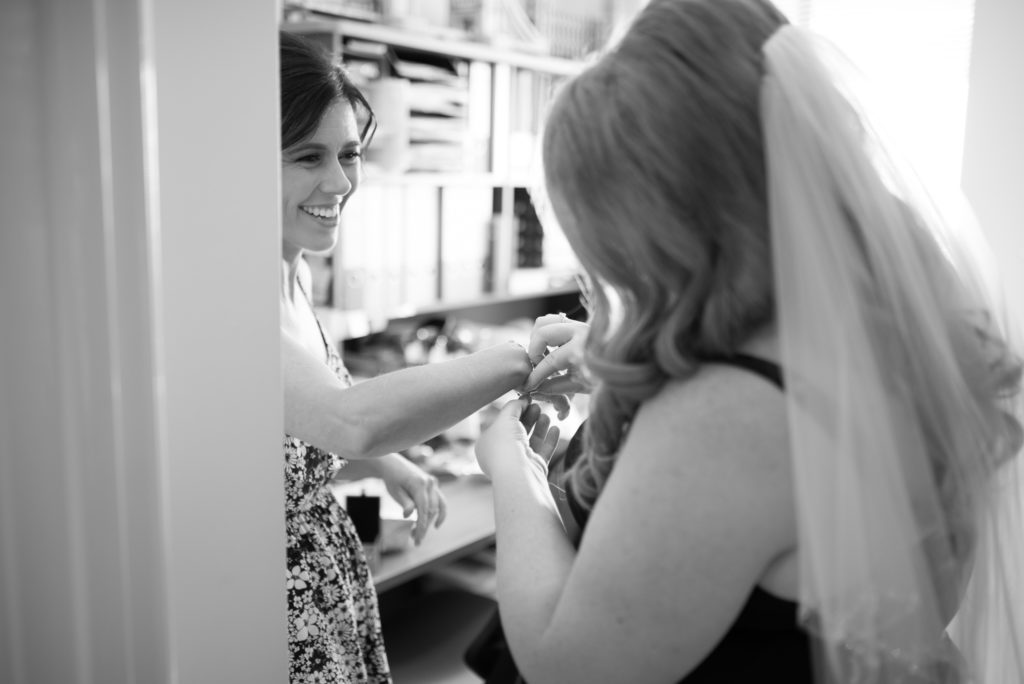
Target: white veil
x=904, y=446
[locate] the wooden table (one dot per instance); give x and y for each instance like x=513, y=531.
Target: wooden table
x=468, y=527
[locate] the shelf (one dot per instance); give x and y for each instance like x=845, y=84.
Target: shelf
x=486, y=300
x=424, y=235
x=343, y=325
x=463, y=49
x=464, y=533
x=481, y=179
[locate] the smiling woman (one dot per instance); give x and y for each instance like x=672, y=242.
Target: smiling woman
x=318, y=175
x=332, y=428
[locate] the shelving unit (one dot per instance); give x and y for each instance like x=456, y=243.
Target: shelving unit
x=456, y=244
x=440, y=43
x=425, y=242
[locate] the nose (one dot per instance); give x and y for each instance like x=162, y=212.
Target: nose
x=336, y=180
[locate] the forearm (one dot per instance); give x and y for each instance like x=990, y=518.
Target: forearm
x=534, y=557
x=399, y=409
x=357, y=469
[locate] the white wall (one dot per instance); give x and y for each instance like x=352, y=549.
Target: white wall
x=993, y=169
x=993, y=180
x=141, y=492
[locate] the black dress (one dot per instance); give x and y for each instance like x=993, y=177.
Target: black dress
x=764, y=643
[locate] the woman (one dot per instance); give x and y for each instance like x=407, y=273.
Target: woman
x=798, y=434
x=334, y=428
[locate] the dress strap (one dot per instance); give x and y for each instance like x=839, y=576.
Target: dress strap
x=769, y=370
x=323, y=337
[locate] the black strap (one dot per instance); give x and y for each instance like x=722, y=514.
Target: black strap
x=769, y=370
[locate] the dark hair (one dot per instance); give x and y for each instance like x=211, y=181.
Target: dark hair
x=310, y=83
x=658, y=154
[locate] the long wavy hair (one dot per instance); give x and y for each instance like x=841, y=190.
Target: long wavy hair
x=657, y=152
x=654, y=159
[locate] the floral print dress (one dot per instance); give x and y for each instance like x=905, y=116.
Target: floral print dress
x=334, y=631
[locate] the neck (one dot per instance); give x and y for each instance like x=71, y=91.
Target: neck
x=290, y=277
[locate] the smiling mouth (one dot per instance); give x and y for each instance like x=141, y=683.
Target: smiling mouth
x=324, y=213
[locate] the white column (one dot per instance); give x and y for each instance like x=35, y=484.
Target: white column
x=216, y=105
x=141, y=495
x=993, y=180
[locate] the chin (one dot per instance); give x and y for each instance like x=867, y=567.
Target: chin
x=324, y=246
x=321, y=241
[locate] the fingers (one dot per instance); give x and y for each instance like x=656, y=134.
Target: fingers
x=404, y=500
x=513, y=410
x=540, y=429
x=559, y=402
x=547, y=446
x=552, y=330
x=423, y=516
x=442, y=508
x=530, y=416
x=531, y=437
x=558, y=360
x=431, y=506
x=567, y=383
x=545, y=321
x=543, y=435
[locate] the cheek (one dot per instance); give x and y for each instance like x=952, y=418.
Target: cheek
x=293, y=193
x=291, y=198
x=355, y=176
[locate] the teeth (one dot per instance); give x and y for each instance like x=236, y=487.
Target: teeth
x=322, y=212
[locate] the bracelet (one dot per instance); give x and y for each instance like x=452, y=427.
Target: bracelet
x=520, y=345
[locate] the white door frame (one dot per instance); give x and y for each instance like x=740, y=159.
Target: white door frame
x=141, y=484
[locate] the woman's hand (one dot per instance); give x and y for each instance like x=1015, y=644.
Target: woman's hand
x=560, y=370
x=520, y=435
x=413, y=489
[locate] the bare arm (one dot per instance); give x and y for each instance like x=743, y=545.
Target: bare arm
x=696, y=508
x=396, y=410
x=413, y=488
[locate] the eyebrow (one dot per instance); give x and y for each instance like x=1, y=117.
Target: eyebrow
x=319, y=147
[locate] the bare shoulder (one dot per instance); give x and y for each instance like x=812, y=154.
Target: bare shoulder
x=695, y=513
x=729, y=408
x=720, y=439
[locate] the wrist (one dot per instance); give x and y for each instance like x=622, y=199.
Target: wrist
x=522, y=463
x=519, y=363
